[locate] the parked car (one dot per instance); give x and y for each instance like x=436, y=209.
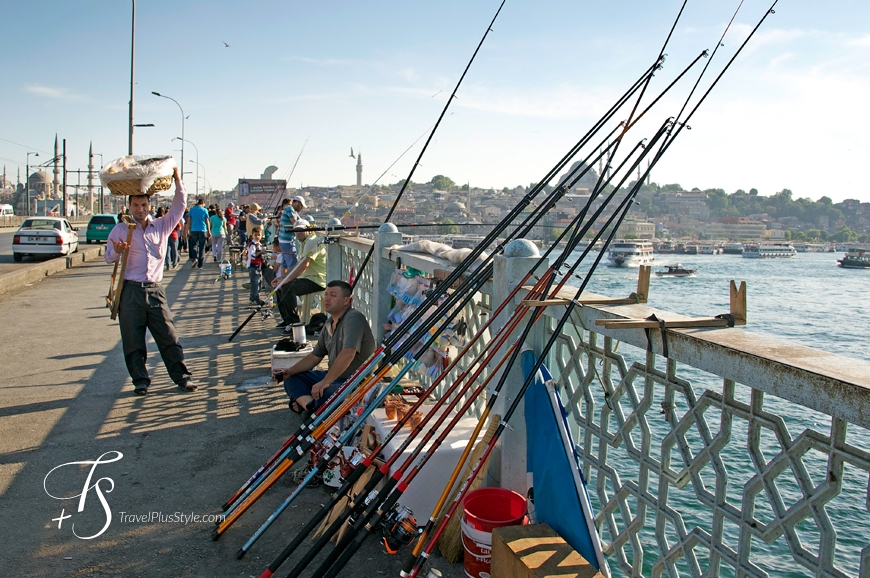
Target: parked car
x=44, y=236
x=99, y=227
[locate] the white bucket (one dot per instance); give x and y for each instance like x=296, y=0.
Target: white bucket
x=478, y=550
x=287, y=359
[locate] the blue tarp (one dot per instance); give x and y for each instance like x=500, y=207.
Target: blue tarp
x=559, y=502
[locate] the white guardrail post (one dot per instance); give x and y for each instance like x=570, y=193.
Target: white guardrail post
x=387, y=236
x=507, y=469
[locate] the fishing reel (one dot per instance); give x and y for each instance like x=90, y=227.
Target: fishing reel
x=266, y=309
x=351, y=520
x=399, y=528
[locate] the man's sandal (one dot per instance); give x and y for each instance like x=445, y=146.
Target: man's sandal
x=187, y=385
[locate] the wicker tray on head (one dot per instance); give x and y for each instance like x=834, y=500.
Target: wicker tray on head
x=127, y=187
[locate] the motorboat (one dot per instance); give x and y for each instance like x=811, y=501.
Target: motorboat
x=855, y=259
x=626, y=253
x=676, y=270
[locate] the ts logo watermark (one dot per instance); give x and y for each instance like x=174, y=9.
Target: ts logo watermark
x=107, y=486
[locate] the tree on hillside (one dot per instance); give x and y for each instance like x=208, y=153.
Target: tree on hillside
x=451, y=230
x=442, y=183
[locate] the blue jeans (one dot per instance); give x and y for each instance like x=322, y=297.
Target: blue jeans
x=171, y=252
x=254, y=274
x=300, y=384
x=197, y=246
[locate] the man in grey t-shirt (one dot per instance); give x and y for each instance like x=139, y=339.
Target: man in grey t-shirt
x=346, y=340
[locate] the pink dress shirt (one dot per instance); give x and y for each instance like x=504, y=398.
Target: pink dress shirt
x=148, y=246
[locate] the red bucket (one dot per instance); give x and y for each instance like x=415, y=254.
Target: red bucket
x=485, y=509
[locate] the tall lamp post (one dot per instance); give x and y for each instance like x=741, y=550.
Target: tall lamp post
x=204, y=193
x=101, y=182
x=132, y=77
x=27, y=180
x=182, y=126
x=196, y=148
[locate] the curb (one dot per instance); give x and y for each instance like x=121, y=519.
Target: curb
x=19, y=279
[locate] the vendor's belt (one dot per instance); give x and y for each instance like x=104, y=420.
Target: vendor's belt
x=140, y=283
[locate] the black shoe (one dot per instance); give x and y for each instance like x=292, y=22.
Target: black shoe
x=141, y=390
x=187, y=385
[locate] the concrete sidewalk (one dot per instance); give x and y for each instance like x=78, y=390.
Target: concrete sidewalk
x=66, y=397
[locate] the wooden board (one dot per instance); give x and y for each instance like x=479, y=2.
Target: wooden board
x=536, y=551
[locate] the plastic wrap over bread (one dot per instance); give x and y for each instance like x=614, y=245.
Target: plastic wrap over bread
x=138, y=174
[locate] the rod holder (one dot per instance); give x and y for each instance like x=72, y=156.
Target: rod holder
x=639, y=296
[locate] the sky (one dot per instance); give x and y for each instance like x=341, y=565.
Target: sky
x=791, y=112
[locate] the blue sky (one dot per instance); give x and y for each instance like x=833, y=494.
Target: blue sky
x=792, y=112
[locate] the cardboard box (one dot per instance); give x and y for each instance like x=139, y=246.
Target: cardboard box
x=536, y=551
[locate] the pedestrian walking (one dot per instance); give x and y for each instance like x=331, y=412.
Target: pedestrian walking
x=143, y=301
x=218, y=227
x=197, y=232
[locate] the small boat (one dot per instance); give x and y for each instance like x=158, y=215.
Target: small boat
x=676, y=271
x=855, y=259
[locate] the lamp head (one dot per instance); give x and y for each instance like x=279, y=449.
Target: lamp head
x=156, y=93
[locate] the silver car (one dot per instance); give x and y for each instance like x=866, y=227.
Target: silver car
x=44, y=236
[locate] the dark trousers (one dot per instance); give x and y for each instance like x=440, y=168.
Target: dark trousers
x=300, y=384
x=145, y=308
x=197, y=246
x=289, y=292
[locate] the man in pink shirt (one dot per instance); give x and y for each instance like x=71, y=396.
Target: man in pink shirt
x=143, y=301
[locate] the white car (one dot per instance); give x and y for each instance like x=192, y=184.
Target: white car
x=44, y=236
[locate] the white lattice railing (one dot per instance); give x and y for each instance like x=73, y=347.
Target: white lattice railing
x=738, y=455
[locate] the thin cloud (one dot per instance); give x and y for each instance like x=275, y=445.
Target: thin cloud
x=864, y=41
x=51, y=92
x=326, y=61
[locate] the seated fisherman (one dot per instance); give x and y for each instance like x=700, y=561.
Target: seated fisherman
x=346, y=340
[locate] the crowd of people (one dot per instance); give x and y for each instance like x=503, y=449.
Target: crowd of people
x=281, y=253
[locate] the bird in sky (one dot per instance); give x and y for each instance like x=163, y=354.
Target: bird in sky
x=353, y=156
x=226, y=45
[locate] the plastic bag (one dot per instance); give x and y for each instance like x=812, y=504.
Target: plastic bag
x=146, y=168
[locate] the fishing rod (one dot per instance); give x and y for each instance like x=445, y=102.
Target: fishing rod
x=273, y=198
x=411, y=458
x=352, y=207
x=350, y=433
x=431, y=134
x=419, y=557
x=388, y=496
x=459, y=270
x=567, y=158
x=379, y=473
x=569, y=309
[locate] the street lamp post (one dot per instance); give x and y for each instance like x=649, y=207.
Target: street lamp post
x=204, y=193
x=182, y=125
x=27, y=180
x=196, y=148
x=132, y=77
x=101, y=181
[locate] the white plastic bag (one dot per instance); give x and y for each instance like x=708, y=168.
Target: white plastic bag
x=146, y=168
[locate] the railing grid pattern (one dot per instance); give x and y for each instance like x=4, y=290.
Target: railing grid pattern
x=711, y=484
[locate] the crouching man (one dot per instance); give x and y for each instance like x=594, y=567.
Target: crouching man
x=346, y=340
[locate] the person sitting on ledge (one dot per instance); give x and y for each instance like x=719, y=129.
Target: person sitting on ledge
x=347, y=341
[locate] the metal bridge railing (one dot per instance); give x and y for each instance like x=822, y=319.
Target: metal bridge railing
x=738, y=455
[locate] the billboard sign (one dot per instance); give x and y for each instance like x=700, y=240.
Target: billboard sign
x=267, y=193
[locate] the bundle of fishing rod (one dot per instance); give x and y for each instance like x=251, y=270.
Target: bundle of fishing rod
x=375, y=504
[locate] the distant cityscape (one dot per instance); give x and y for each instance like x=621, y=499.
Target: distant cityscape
x=663, y=212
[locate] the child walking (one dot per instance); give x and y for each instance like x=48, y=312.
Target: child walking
x=255, y=263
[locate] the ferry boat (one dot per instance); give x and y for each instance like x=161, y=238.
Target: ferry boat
x=665, y=247
x=625, y=253
x=855, y=259
x=708, y=249
x=676, y=271
x=732, y=249
x=691, y=249
x=769, y=251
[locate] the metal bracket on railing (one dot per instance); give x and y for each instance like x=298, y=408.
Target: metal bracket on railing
x=737, y=316
x=640, y=296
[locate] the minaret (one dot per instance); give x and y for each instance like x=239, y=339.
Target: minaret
x=56, y=171
x=91, y=177
x=359, y=169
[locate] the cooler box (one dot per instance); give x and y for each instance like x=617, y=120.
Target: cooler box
x=287, y=359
